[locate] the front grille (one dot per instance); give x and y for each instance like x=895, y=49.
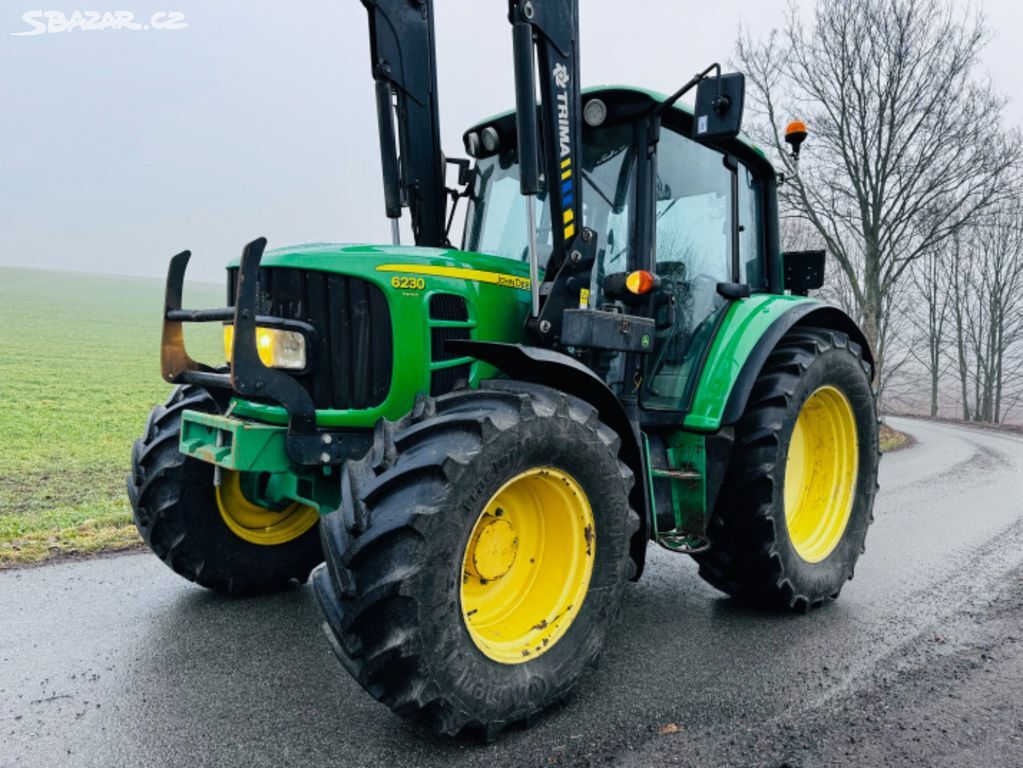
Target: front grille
x=438, y=342
x=352, y=358
x=443, y=380
x=447, y=306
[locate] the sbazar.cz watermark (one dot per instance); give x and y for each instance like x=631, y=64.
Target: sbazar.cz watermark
x=42, y=22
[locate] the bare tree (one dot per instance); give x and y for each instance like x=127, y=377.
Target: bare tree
x=994, y=326
x=984, y=285
x=907, y=147
x=930, y=318
x=956, y=266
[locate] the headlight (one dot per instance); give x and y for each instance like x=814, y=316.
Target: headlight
x=278, y=348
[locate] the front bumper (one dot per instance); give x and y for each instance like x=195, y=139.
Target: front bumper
x=234, y=444
x=301, y=443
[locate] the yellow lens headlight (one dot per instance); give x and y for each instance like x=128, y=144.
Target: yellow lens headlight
x=277, y=347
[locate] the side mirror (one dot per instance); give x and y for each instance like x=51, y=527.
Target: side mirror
x=804, y=271
x=464, y=169
x=719, y=104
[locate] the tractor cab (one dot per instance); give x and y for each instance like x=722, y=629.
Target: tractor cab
x=709, y=226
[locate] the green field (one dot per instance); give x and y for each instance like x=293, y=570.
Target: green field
x=79, y=371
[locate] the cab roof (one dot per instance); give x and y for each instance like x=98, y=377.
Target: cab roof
x=681, y=112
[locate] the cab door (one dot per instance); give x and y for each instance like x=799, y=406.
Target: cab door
x=696, y=239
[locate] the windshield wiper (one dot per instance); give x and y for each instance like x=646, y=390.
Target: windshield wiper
x=596, y=188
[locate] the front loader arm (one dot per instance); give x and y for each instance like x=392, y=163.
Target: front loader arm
x=403, y=53
x=554, y=29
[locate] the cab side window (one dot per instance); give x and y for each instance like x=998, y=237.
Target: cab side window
x=752, y=252
x=693, y=209
x=694, y=253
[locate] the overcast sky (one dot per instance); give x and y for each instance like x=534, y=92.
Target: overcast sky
x=120, y=148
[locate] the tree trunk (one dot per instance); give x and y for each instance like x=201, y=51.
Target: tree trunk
x=960, y=335
x=872, y=312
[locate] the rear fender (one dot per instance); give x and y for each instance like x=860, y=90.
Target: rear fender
x=566, y=374
x=808, y=314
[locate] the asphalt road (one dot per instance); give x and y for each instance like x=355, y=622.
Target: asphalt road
x=118, y=662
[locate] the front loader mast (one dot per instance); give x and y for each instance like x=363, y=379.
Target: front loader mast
x=545, y=32
x=403, y=54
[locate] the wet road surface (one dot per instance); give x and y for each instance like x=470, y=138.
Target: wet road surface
x=118, y=662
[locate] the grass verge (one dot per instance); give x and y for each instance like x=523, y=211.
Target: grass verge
x=893, y=440
x=79, y=372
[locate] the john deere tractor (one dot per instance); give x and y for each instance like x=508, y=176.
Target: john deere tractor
x=481, y=439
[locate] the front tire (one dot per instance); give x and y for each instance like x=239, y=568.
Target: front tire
x=479, y=556
x=798, y=497
x=213, y=536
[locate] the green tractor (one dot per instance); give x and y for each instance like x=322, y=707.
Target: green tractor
x=479, y=442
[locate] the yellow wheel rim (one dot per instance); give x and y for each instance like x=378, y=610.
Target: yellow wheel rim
x=257, y=524
x=527, y=566
x=820, y=474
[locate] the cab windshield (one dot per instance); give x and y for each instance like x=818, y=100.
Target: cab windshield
x=496, y=218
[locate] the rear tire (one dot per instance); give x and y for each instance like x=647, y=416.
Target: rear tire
x=175, y=509
x=393, y=590
x=756, y=553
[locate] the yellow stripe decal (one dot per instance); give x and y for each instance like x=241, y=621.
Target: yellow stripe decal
x=566, y=175
x=460, y=273
x=569, y=231
x=566, y=162
x=569, y=216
